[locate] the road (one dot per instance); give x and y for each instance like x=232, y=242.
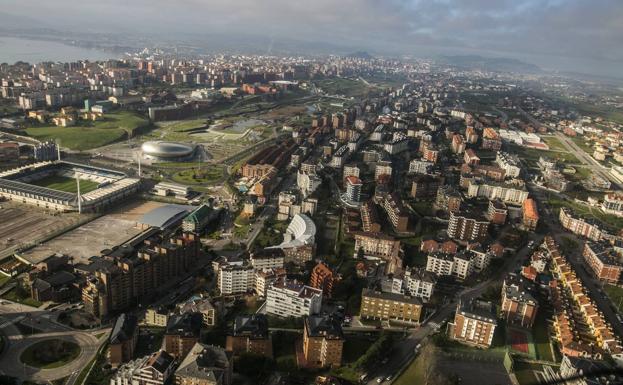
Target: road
x=403, y=352
x=588, y=160
x=45, y=322
x=577, y=261
x=573, y=148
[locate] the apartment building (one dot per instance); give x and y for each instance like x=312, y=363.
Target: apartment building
x=419, y=284
x=530, y=214
x=126, y=275
x=474, y=322
x=323, y=342
x=323, y=278
x=497, y=212
x=123, y=339
x=613, y=204
x=267, y=259
x=154, y=369
x=390, y=306
x=379, y=246
x=181, y=333
x=459, y=265
x=235, y=278
x=290, y=298
x=250, y=334
x=396, y=213
x=418, y=166
x=265, y=277
x=425, y=186
x=205, y=365
x=468, y=225
x=370, y=221
x=586, y=228
x=510, y=193
x=605, y=263
x=519, y=307
x=510, y=163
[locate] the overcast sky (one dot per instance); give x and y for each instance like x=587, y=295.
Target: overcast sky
x=585, y=35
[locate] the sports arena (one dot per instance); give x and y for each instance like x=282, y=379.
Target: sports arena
x=64, y=186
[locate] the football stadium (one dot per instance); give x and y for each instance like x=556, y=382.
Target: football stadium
x=65, y=186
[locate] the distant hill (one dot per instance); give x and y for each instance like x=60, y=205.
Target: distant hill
x=490, y=64
x=359, y=55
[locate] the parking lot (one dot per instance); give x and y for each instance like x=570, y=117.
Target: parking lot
x=20, y=224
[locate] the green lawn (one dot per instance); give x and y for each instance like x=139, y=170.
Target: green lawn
x=554, y=143
x=201, y=175
x=63, y=183
x=88, y=134
x=12, y=295
x=4, y=279
x=542, y=340
x=50, y=354
x=584, y=144
x=532, y=155
x=341, y=86
x=609, y=220
x=414, y=374
x=616, y=295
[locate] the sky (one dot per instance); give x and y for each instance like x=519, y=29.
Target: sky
x=570, y=35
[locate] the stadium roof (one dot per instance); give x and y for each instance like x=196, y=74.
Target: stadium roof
x=165, y=216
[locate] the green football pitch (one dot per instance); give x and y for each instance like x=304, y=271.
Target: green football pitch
x=63, y=183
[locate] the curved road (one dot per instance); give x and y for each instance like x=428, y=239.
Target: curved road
x=16, y=343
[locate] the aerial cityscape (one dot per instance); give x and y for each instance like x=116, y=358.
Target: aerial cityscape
x=311, y=202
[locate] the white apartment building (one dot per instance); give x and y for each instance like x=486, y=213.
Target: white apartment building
x=506, y=193
x=289, y=298
x=235, y=278
x=267, y=260
x=510, y=164
x=459, y=265
x=417, y=166
x=419, y=284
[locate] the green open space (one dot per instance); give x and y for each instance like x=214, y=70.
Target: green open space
x=49, y=354
x=4, y=279
x=531, y=155
x=343, y=86
x=88, y=134
x=554, y=143
x=66, y=184
x=583, y=143
x=19, y=295
x=608, y=220
x=414, y=374
x=541, y=335
x=200, y=175
x=615, y=293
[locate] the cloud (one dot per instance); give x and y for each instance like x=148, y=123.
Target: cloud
x=567, y=29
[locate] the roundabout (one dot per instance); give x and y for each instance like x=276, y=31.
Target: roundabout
x=50, y=353
x=56, y=351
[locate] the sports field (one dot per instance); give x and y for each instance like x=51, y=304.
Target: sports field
x=63, y=183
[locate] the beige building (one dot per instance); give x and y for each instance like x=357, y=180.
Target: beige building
x=390, y=306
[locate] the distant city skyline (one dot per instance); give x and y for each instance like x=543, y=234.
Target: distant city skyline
x=566, y=35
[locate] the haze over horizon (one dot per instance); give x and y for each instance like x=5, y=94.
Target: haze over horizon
x=565, y=35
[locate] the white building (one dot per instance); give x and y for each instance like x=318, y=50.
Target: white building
x=417, y=166
x=460, y=265
x=155, y=369
x=235, y=278
x=288, y=298
x=419, y=284
x=508, y=193
x=510, y=164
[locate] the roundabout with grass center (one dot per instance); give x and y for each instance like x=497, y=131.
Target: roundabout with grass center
x=51, y=353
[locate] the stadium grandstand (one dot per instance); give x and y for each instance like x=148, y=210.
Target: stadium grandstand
x=65, y=186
